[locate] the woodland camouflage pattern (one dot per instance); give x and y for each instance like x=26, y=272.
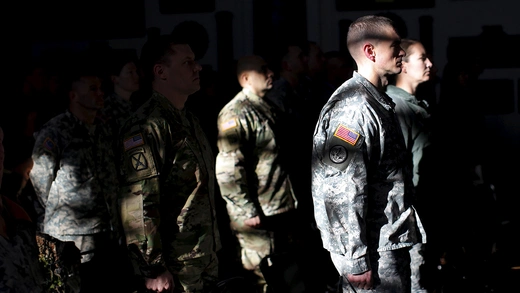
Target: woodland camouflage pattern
x=167, y=201
x=361, y=182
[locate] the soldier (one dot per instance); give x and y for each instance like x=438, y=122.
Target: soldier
x=167, y=200
x=75, y=180
x=412, y=112
x=124, y=80
x=361, y=175
x=415, y=123
x=251, y=174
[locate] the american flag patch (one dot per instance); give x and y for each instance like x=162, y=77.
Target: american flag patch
x=346, y=134
x=48, y=144
x=133, y=141
x=228, y=124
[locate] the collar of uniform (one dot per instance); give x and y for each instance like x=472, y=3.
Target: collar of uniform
x=250, y=95
x=397, y=92
x=90, y=129
x=116, y=99
x=381, y=98
x=165, y=103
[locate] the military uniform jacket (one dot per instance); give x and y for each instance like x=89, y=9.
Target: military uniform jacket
x=167, y=201
x=250, y=168
x=361, y=179
x=75, y=178
x=115, y=111
x=414, y=121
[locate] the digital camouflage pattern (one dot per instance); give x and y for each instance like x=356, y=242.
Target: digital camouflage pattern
x=75, y=179
x=167, y=201
x=391, y=271
x=250, y=171
x=361, y=176
x=114, y=113
x=20, y=270
x=415, y=124
x=115, y=110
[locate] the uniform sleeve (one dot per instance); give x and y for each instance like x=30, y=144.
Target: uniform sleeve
x=46, y=159
x=140, y=197
x=233, y=161
x=339, y=190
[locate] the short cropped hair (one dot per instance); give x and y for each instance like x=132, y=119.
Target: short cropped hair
x=367, y=27
x=248, y=63
x=155, y=51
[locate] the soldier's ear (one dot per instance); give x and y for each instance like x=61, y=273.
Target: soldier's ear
x=158, y=70
x=243, y=78
x=72, y=95
x=368, y=50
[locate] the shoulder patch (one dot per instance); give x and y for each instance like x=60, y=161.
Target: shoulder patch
x=48, y=144
x=346, y=134
x=133, y=141
x=139, y=161
x=231, y=123
x=342, y=147
x=338, y=154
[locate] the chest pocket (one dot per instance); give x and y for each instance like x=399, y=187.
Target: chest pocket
x=78, y=162
x=265, y=135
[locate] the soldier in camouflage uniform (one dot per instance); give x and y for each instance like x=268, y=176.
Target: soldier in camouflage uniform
x=167, y=201
x=124, y=78
x=252, y=177
x=19, y=267
x=75, y=179
x=362, y=180
x=416, y=127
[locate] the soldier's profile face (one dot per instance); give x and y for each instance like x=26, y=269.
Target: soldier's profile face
x=417, y=65
x=182, y=72
x=128, y=78
x=261, y=79
x=389, y=54
x=88, y=93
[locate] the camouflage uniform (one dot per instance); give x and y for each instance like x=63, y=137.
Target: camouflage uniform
x=167, y=201
x=252, y=178
x=115, y=111
x=75, y=179
x=362, y=183
x=19, y=267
